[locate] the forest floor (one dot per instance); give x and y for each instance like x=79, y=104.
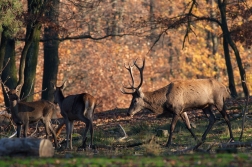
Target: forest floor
x=140, y=135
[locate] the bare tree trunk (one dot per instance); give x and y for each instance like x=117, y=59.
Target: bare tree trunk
x=226, y=36
x=51, y=58
x=153, y=32
x=28, y=43
x=2, y=49
x=229, y=69
x=35, y=8
x=212, y=39
x=30, y=67
x=10, y=70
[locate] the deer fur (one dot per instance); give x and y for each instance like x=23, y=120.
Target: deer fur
x=178, y=98
x=76, y=107
x=24, y=113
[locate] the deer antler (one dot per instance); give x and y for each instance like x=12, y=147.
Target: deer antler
x=141, y=73
x=129, y=68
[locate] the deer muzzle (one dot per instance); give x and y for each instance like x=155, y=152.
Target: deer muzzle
x=130, y=114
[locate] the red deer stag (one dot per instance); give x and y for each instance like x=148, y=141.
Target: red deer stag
x=24, y=113
x=76, y=107
x=178, y=97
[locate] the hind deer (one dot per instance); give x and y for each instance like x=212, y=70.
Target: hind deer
x=178, y=98
x=24, y=113
x=76, y=107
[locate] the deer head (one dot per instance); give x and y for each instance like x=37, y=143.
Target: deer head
x=137, y=101
x=58, y=92
x=14, y=95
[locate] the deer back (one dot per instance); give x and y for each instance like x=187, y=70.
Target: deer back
x=34, y=111
x=76, y=104
x=196, y=93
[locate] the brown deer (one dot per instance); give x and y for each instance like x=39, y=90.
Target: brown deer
x=179, y=97
x=24, y=113
x=76, y=107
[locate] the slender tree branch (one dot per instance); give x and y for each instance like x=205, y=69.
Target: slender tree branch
x=32, y=94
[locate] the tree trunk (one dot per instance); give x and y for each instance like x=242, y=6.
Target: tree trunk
x=224, y=27
x=152, y=18
x=51, y=62
x=10, y=70
x=229, y=68
x=2, y=54
x=212, y=38
x=28, y=43
x=30, y=67
x=2, y=49
x=26, y=147
x=51, y=58
x=27, y=74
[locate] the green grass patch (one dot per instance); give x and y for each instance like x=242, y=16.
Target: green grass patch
x=143, y=148
x=133, y=161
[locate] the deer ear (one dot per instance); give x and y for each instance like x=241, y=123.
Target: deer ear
x=6, y=89
x=140, y=93
x=53, y=85
x=63, y=86
x=18, y=88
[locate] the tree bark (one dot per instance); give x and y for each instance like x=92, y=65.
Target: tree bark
x=28, y=43
x=2, y=49
x=229, y=69
x=224, y=27
x=51, y=58
x=10, y=70
x=26, y=147
x=226, y=35
x=30, y=67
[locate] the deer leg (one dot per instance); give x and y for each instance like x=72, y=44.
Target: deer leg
x=48, y=128
x=19, y=130
x=88, y=126
x=172, y=127
x=187, y=122
x=71, y=134
x=225, y=116
x=53, y=134
x=209, y=114
x=90, y=117
x=45, y=122
x=26, y=127
x=91, y=134
x=68, y=132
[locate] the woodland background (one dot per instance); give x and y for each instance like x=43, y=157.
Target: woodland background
x=96, y=38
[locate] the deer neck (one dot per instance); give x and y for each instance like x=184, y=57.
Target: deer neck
x=14, y=107
x=61, y=98
x=155, y=101
x=154, y=107
x=13, y=103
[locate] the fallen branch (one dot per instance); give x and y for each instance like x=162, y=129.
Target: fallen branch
x=125, y=135
x=14, y=134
